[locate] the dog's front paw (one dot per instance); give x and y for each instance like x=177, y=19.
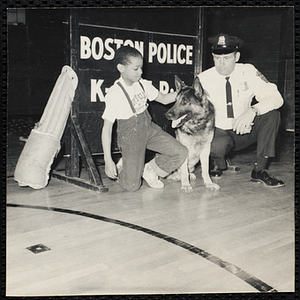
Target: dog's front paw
x=212, y=186
x=192, y=176
x=186, y=188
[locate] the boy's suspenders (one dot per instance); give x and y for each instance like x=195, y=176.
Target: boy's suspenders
x=127, y=96
x=142, y=86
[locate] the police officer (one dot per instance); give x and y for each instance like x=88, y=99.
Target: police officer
x=240, y=122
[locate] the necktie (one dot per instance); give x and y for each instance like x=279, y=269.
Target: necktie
x=229, y=99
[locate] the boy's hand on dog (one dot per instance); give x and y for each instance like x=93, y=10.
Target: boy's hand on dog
x=111, y=170
x=243, y=124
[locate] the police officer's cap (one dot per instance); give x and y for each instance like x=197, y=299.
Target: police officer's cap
x=225, y=44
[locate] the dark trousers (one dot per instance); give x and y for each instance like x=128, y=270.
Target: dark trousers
x=264, y=132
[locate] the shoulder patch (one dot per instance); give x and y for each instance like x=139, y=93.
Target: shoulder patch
x=262, y=77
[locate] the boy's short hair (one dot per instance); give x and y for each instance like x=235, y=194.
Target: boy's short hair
x=124, y=53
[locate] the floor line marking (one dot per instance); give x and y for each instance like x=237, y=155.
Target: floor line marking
x=246, y=277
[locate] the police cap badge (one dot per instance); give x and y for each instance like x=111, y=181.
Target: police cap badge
x=224, y=43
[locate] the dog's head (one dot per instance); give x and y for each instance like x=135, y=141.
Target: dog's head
x=192, y=110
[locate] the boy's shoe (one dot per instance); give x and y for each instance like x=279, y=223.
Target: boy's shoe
x=216, y=172
x=151, y=178
x=266, y=178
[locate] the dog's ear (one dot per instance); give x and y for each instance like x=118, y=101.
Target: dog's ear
x=178, y=83
x=197, y=87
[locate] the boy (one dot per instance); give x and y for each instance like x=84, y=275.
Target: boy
x=126, y=102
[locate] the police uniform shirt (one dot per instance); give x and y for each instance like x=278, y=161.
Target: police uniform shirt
x=116, y=103
x=246, y=82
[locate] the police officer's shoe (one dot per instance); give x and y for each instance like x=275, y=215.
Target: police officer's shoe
x=265, y=178
x=216, y=172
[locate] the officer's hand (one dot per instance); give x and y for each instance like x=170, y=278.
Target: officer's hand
x=110, y=169
x=243, y=124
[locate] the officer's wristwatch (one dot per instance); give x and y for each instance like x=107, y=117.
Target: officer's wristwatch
x=255, y=110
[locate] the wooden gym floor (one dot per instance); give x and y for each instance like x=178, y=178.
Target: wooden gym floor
x=67, y=240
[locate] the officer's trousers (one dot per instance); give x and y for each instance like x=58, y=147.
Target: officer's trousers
x=264, y=132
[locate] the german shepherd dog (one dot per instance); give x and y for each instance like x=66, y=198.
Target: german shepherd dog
x=193, y=117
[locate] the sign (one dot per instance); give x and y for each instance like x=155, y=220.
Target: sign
x=165, y=55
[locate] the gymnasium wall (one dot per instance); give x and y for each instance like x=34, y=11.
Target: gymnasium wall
x=38, y=49
x=36, y=54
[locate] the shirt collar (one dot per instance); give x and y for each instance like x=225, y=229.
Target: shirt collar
x=124, y=84
x=224, y=76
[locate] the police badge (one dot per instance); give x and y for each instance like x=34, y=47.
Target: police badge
x=244, y=86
